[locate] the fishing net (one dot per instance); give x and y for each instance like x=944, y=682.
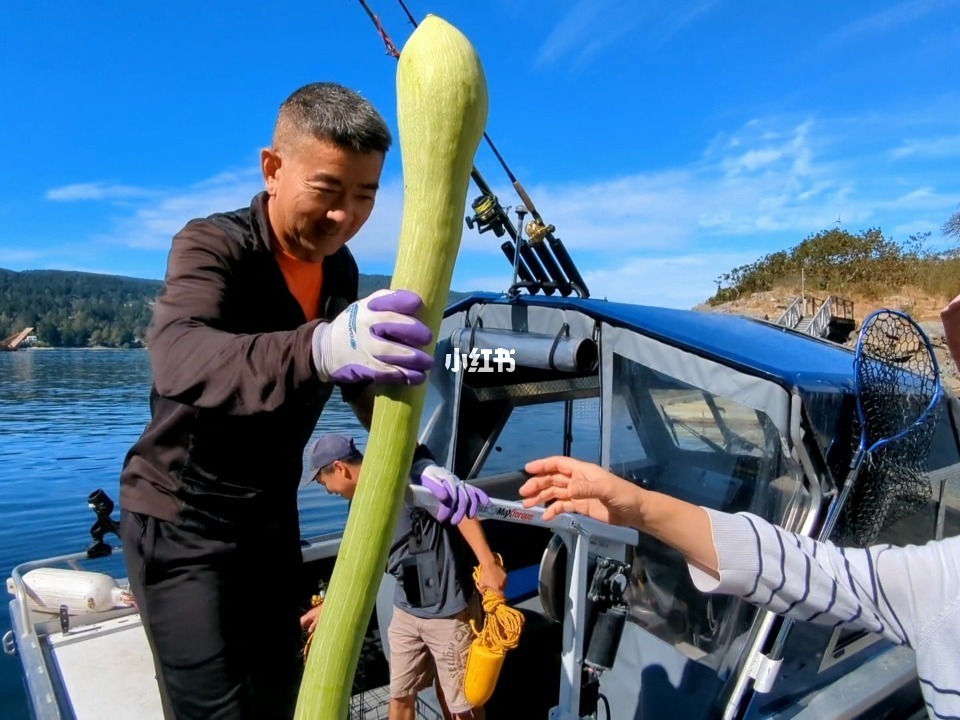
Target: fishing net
x=898, y=395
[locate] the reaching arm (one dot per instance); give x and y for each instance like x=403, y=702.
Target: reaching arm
x=575, y=486
x=681, y=525
x=492, y=574
x=894, y=591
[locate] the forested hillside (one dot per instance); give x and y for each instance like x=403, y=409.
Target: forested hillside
x=77, y=309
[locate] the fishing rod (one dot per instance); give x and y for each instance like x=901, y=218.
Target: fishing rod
x=535, y=265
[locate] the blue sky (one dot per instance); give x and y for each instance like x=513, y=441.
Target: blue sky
x=668, y=141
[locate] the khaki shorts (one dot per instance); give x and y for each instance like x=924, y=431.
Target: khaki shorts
x=422, y=649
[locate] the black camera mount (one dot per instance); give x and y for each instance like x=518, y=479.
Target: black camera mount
x=102, y=505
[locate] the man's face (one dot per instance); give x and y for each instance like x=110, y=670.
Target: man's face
x=320, y=195
x=341, y=480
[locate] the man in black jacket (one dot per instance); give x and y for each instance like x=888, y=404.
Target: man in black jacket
x=257, y=322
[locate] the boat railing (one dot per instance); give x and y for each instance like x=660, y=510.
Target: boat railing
x=811, y=305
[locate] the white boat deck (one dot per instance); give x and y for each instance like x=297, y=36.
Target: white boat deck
x=107, y=673
x=107, y=670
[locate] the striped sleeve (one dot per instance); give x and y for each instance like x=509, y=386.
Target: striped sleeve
x=892, y=591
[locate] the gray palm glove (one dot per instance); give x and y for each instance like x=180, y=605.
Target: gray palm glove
x=377, y=338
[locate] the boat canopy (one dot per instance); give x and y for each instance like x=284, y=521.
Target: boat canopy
x=753, y=362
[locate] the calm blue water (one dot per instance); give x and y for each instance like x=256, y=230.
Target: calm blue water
x=67, y=418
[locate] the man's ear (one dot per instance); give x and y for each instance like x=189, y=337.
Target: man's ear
x=270, y=162
x=351, y=471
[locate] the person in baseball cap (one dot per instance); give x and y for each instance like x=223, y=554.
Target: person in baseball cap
x=433, y=564
x=334, y=461
x=324, y=452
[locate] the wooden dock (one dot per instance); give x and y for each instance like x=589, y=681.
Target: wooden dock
x=14, y=341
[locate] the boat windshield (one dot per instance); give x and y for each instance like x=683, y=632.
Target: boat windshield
x=674, y=438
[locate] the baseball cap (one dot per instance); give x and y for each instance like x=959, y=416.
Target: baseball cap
x=325, y=450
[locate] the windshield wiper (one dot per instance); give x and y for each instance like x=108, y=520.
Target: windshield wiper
x=713, y=445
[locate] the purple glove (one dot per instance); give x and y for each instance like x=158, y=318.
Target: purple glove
x=377, y=338
x=457, y=499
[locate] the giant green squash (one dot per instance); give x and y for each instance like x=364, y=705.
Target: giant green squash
x=441, y=115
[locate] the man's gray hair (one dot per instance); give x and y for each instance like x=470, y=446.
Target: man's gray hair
x=328, y=111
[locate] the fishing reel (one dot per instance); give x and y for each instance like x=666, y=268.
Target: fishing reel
x=488, y=214
x=102, y=505
x=537, y=232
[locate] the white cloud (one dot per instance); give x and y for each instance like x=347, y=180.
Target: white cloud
x=97, y=191
x=16, y=256
x=753, y=160
x=905, y=230
x=921, y=200
x=752, y=183
x=893, y=18
x=660, y=279
x=936, y=147
x=679, y=281
x=678, y=17
x=762, y=188
x=154, y=223
x=588, y=28
x=592, y=26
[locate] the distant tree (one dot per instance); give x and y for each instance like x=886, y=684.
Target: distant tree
x=951, y=228
x=49, y=334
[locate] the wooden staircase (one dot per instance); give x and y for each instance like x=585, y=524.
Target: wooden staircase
x=831, y=318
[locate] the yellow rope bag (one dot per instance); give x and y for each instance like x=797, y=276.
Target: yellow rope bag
x=501, y=632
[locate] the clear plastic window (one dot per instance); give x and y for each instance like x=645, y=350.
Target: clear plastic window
x=674, y=438
x=535, y=431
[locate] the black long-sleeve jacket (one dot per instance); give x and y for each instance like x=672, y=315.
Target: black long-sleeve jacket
x=235, y=396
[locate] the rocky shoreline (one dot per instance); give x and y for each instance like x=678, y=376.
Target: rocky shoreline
x=925, y=310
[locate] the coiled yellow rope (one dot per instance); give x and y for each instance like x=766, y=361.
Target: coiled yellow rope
x=502, y=623
x=501, y=632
